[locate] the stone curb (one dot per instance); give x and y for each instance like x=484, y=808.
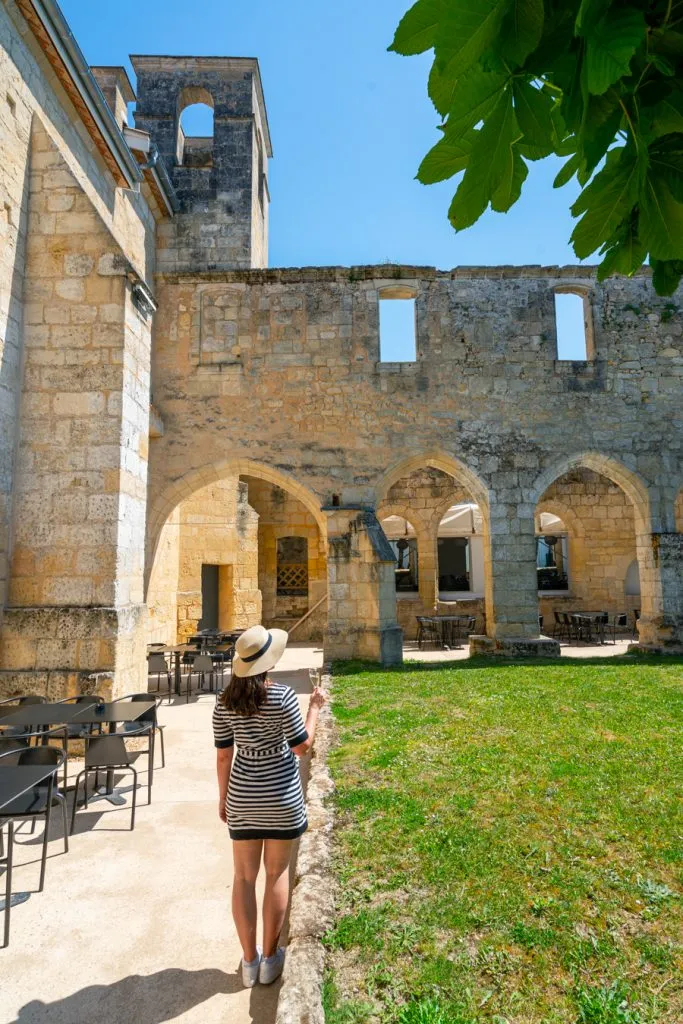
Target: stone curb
x=312, y=907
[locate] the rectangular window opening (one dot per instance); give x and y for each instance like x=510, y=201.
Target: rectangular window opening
x=571, y=327
x=397, y=331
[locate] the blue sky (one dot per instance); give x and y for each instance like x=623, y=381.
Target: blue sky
x=350, y=124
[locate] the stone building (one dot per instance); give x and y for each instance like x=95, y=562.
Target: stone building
x=190, y=438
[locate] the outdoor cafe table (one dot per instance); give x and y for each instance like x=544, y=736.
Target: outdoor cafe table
x=119, y=711
x=591, y=619
x=447, y=624
x=15, y=780
x=43, y=716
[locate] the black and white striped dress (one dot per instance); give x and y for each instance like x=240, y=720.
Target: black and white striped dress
x=265, y=799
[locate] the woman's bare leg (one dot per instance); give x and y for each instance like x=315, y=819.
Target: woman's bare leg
x=247, y=861
x=277, y=854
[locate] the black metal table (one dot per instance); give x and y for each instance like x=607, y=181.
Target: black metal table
x=15, y=780
x=112, y=714
x=176, y=653
x=591, y=619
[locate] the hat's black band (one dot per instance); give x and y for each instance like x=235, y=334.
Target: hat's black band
x=254, y=657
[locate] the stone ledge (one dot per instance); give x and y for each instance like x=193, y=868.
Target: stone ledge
x=515, y=647
x=312, y=906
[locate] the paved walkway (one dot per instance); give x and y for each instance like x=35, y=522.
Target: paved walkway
x=136, y=926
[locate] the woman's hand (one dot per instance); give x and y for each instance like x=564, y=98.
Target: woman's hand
x=222, y=811
x=318, y=698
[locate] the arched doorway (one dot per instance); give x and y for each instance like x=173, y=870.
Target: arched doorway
x=214, y=559
x=591, y=526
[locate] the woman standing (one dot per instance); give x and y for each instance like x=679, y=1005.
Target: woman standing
x=259, y=790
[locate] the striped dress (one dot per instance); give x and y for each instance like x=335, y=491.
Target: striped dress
x=265, y=799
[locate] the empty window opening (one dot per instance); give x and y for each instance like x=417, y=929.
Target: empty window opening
x=572, y=324
x=194, y=145
x=292, y=567
x=397, y=327
x=401, y=537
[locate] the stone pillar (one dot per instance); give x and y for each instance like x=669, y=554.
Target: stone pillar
x=362, y=595
x=75, y=596
x=512, y=587
x=660, y=559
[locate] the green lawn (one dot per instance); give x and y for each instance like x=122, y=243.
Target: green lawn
x=508, y=843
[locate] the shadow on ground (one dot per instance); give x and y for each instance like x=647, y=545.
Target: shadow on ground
x=150, y=999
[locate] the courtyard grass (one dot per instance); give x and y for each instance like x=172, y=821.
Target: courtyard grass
x=508, y=843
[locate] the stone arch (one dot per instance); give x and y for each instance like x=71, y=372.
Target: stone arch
x=638, y=493
x=630, y=482
x=437, y=460
x=174, y=493
x=564, y=512
x=191, y=146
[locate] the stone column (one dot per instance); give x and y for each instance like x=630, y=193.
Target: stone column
x=512, y=587
x=362, y=598
x=660, y=559
x=75, y=599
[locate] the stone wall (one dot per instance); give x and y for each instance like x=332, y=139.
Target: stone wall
x=487, y=402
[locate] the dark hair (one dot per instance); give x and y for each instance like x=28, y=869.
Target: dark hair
x=245, y=695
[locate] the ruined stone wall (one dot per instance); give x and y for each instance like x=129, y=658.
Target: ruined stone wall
x=281, y=368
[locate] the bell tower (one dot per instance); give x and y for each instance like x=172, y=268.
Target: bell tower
x=221, y=181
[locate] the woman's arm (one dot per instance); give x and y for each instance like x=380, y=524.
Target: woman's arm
x=223, y=766
x=318, y=698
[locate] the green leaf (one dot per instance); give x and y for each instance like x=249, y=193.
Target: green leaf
x=510, y=187
x=661, y=219
x=605, y=203
x=568, y=170
x=665, y=117
x=487, y=167
x=663, y=64
x=440, y=88
x=666, y=161
x=468, y=28
x=626, y=255
x=532, y=109
x=590, y=13
x=475, y=95
x=522, y=29
x=417, y=29
x=446, y=158
x=611, y=46
x=602, y=118
x=666, y=275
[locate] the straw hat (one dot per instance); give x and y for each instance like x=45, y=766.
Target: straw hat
x=258, y=650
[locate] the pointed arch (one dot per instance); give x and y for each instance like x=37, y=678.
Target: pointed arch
x=630, y=482
x=448, y=464
x=178, y=490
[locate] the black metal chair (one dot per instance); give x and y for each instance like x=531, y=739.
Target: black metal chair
x=37, y=802
x=147, y=725
x=570, y=627
x=619, y=621
x=105, y=752
x=428, y=631
x=158, y=666
x=14, y=744
x=202, y=666
x=23, y=701
x=559, y=629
